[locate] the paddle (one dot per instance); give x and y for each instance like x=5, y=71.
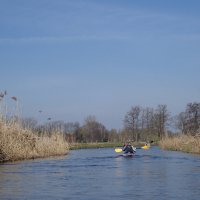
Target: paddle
x=145, y=147
x=118, y=150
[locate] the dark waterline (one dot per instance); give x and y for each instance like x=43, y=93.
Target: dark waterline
x=92, y=174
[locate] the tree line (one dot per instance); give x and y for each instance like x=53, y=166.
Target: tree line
x=139, y=124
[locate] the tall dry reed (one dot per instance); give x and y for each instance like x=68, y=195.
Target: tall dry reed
x=17, y=143
x=183, y=143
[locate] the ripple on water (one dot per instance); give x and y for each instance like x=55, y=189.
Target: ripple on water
x=103, y=174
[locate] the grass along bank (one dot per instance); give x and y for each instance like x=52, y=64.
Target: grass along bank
x=73, y=146
x=17, y=143
x=184, y=143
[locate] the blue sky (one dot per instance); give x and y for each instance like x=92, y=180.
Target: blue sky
x=74, y=58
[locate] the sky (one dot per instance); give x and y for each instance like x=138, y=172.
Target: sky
x=75, y=58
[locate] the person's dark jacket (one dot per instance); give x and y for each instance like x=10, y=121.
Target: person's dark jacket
x=127, y=148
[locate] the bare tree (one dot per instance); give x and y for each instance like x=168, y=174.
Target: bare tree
x=161, y=118
x=180, y=122
x=113, y=136
x=192, y=118
x=132, y=122
x=93, y=131
x=147, y=124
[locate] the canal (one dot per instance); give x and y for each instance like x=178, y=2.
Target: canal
x=95, y=174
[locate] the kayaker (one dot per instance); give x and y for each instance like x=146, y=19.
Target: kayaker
x=127, y=148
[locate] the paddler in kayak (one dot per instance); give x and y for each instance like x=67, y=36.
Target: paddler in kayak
x=128, y=149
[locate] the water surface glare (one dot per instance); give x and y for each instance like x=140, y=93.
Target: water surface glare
x=94, y=174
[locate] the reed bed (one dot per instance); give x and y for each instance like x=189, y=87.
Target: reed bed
x=185, y=143
x=17, y=143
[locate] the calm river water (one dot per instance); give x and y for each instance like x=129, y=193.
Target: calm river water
x=94, y=174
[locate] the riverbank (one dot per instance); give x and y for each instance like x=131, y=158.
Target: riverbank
x=74, y=146
x=17, y=143
x=184, y=143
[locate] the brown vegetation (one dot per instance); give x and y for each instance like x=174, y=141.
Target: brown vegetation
x=17, y=143
x=185, y=143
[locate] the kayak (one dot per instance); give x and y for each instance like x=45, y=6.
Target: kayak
x=128, y=154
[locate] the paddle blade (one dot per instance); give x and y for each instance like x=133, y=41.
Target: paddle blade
x=118, y=150
x=145, y=147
